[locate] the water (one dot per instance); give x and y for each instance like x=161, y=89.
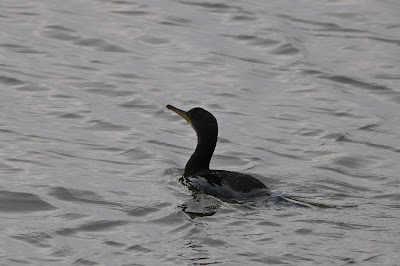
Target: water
x=306, y=94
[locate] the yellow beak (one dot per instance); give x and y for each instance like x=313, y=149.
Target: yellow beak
x=179, y=112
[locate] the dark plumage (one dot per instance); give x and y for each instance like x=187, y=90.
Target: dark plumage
x=199, y=177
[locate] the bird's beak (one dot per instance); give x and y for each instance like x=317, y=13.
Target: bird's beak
x=179, y=112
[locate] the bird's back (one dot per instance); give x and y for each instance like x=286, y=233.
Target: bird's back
x=226, y=184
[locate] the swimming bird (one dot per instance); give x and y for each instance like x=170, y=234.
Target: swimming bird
x=198, y=176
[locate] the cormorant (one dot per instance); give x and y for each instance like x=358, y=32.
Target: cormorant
x=198, y=176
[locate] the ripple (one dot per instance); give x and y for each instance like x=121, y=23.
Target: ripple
x=322, y=26
x=251, y=60
x=353, y=162
x=22, y=202
x=35, y=238
x=217, y=7
x=32, y=88
x=344, y=137
x=112, y=48
x=356, y=83
x=378, y=129
x=349, y=172
x=66, y=34
x=153, y=39
x=60, y=33
x=10, y=81
x=137, y=153
x=139, y=248
x=113, y=243
x=243, y=17
x=71, y=116
x=10, y=169
x=235, y=159
x=91, y=42
x=100, y=45
x=340, y=224
x=286, y=49
x=175, y=21
x=387, y=76
x=95, y=226
x=83, y=196
x=253, y=40
x=9, y=135
x=71, y=216
x=385, y=40
x=77, y=67
x=28, y=161
x=104, y=89
x=138, y=104
x=141, y=211
x=309, y=132
x=99, y=125
x=126, y=75
x=82, y=261
x=176, y=223
x=132, y=12
x=15, y=48
x=347, y=15
x=391, y=196
x=284, y=154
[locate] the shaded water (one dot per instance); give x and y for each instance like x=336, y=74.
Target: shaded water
x=307, y=98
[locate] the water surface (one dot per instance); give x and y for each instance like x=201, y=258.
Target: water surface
x=307, y=98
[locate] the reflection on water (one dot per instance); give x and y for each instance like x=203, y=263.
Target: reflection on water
x=306, y=95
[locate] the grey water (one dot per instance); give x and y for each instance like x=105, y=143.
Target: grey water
x=307, y=96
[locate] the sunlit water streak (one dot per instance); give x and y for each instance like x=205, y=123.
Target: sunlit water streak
x=307, y=98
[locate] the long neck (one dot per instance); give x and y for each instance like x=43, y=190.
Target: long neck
x=200, y=159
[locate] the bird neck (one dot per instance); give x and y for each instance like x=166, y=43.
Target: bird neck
x=200, y=159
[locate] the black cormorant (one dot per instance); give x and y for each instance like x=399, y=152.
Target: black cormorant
x=198, y=176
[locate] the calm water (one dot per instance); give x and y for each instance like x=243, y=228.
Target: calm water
x=306, y=94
